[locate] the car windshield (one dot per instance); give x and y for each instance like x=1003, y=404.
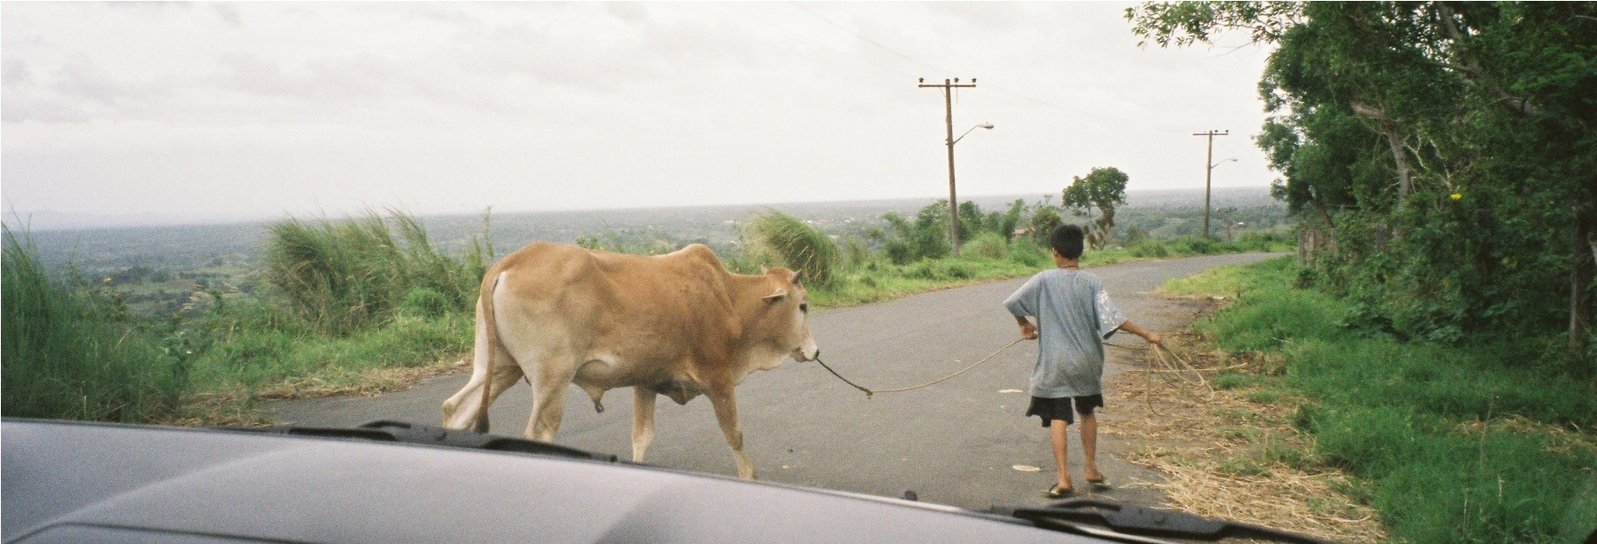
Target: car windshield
x=958, y=253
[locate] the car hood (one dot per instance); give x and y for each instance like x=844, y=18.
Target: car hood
x=60, y=478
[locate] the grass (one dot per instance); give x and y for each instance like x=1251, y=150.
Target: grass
x=344, y=275
x=255, y=359
x=777, y=238
x=1465, y=443
x=67, y=353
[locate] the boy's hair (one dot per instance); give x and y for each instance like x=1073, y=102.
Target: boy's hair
x=1067, y=240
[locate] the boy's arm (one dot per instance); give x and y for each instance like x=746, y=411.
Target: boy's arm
x=1151, y=337
x=1021, y=304
x=1027, y=329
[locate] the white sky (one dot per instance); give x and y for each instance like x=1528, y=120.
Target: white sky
x=254, y=110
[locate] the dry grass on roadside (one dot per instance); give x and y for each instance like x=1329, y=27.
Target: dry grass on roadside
x=1231, y=453
x=365, y=382
x=235, y=408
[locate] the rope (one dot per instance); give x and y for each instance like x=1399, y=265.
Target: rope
x=1159, y=351
x=1162, y=357
x=869, y=392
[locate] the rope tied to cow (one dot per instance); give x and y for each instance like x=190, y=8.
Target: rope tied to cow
x=1159, y=351
x=870, y=392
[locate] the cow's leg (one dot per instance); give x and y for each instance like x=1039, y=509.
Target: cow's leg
x=726, y=413
x=461, y=409
x=642, y=421
x=549, y=384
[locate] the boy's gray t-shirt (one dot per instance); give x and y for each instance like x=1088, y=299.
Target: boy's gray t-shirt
x=1074, y=316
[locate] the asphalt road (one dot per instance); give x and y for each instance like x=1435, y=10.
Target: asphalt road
x=955, y=443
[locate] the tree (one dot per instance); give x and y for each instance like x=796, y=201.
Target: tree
x=1010, y=221
x=970, y=220
x=1448, y=148
x=925, y=237
x=1042, y=219
x=1103, y=188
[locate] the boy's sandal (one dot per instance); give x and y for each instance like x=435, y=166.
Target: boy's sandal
x=1100, y=484
x=1056, y=493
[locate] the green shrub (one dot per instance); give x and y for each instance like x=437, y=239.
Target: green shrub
x=66, y=357
x=1150, y=249
x=345, y=275
x=425, y=302
x=899, y=252
x=989, y=245
x=1197, y=245
x=781, y=239
x=1029, y=254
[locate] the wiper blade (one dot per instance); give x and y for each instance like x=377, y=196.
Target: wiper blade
x=1136, y=520
x=410, y=433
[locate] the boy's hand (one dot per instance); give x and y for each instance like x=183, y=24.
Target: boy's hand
x=1028, y=331
x=1154, y=338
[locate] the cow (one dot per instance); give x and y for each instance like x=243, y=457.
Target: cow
x=678, y=325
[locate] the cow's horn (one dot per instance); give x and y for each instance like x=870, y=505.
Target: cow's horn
x=798, y=276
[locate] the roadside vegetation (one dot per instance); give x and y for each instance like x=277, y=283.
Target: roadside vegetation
x=1437, y=157
x=69, y=351
x=367, y=303
x=1481, y=441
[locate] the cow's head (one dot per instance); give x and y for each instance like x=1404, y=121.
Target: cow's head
x=787, y=310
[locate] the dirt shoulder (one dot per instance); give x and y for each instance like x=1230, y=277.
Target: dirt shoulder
x=1226, y=446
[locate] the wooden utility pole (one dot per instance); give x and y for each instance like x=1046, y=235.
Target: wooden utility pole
x=948, y=105
x=1208, y=174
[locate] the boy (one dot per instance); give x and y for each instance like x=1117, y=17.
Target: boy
x=1075, y=315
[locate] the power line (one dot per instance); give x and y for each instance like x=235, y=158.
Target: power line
x=868, y=40
x=815, y=41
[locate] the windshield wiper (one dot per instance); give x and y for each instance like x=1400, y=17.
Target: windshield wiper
x=1071, y=516
x=410, y=433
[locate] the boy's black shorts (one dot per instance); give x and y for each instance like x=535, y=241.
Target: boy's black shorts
x=1051, y=409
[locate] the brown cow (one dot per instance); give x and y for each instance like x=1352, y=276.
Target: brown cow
x=677, y=325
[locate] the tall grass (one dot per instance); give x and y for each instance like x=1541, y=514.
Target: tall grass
x=65, y=356
x=344, y=275
x=784, y=240
x=1451, y=443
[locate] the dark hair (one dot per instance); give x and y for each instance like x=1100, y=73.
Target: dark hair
x=1067, y=240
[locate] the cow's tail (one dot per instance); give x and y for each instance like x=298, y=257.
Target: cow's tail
x=491, y=333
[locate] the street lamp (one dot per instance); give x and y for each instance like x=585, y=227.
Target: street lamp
x=988, y=126
x=953, y=202
x=1207, y=176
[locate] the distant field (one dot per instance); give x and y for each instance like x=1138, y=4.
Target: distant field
x=160, y=268
x=1171, y=213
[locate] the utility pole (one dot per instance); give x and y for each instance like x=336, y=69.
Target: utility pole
x=1208, y=174
x=948, y=105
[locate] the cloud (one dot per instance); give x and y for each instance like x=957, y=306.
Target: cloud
x=629, y=12
x=15, y=74
x=83, y=78
x=228, y=13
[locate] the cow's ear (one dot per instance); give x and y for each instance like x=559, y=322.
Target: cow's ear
x=798, y=277
x=776, y=297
